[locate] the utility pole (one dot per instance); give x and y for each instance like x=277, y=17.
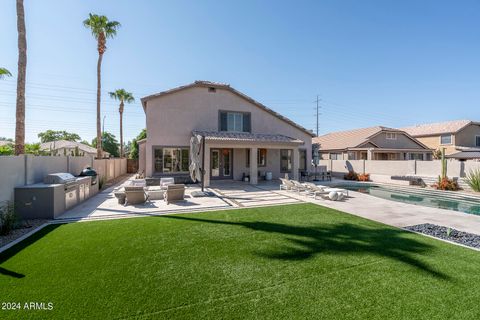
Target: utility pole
x=318, y=112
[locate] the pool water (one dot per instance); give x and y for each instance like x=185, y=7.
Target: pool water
x=465, y=204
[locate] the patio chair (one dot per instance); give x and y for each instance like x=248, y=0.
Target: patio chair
x=286, y=184
x=297, y=186
x=164, y=182
x=135, y=195
x=174, y=192
x=314, y=190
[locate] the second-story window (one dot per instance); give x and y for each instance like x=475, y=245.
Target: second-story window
x=235, y=121
x=446, y=139
x=391, y=136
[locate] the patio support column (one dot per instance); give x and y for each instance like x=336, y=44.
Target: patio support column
x=296, y=162
x=370, y=154
x=253, y=166
x=207, y=165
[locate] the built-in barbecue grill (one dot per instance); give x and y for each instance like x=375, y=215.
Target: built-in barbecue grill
x=66, y=179
x=50, y=199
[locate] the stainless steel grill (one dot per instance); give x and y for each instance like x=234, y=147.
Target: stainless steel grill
x=64, y=178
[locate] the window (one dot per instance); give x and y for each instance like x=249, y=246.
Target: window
x=285, y=160
x=446, y=139
x=391, y=136
x=352, y=155
x=261, y=158
x=336, y=156
x=211, y=89
x=171, y=160
x=477, y=141
x=416, y=156
x=234, y=121
x=302, y=166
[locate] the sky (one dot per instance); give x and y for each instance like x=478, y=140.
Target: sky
x=385, y=62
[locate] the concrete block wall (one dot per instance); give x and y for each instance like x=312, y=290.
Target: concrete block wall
x=29, y=169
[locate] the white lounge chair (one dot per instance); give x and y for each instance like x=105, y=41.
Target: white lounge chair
x=314, y=190
x=299, y=187
x=164, y=182
x=286, y=184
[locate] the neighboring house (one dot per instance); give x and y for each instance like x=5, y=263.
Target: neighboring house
x=70, y=148
x=461, y=138
x=243, y=137
x=375, y=143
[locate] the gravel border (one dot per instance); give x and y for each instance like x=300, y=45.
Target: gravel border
x=25, y=227
x=463, y=238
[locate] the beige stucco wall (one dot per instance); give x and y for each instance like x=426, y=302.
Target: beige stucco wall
x=171, y=119
x=466, y=137
x=142, y=156
x=402, y=142
x=433, y=142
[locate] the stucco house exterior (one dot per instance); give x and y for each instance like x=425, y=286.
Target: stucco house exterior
x=460, y=138
x=374, y=143
x=242, y=136
x=69, y=148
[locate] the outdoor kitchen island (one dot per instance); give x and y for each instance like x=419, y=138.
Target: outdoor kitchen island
x=59, y=192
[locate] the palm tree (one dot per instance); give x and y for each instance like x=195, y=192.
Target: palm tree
x=122, y=96
x=4, y=73
x=22, y=71
x=101, y=30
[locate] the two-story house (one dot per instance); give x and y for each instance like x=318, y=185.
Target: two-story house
x=374, y=143
x=460, y=138
x=242, y=136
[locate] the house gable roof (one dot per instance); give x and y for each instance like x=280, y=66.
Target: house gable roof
x=348, y=139
x=59, y=144
x=217, y=85
x=432, y=129
x=357, y=138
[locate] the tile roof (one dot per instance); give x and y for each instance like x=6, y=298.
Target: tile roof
x=55, y=145
x=465, y=155
x=246, y=137
x=437, y=128
x=348, y=139
x=204, y=83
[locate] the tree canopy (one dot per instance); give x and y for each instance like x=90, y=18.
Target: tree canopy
x=4, y=73
x=52, y=135
x=134, y=148
x=122, y=95
x=109, y=143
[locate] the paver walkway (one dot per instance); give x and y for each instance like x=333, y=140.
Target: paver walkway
x=241, y=194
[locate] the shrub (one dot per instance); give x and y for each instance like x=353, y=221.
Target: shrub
x=473, y=180
x=351, y=175
x=8, y=218
x=364, y=177
x=446, y=184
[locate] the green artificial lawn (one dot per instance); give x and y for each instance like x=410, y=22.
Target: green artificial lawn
x=296, y=261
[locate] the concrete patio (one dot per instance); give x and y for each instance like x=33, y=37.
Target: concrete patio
x=235, y=194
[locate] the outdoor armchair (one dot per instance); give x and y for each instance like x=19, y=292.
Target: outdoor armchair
x=174, y=192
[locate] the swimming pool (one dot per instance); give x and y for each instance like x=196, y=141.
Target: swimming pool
x=420, y=197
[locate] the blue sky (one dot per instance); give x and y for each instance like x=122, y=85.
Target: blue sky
x=391, y=63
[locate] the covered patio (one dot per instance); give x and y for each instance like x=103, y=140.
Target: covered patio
x=236, y=156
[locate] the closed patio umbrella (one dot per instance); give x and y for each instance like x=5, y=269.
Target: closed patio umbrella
x=195, y=158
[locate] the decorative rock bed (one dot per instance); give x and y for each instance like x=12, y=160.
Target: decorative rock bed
x=24, y=228
x=465, y=238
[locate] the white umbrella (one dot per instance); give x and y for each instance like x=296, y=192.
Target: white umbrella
x=195, y=159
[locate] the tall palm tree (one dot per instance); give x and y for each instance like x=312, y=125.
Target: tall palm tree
x=4, y=73
x=124, y=97
x=102, y=29
x=22, y=71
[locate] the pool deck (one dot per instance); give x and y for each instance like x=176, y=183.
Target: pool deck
x=393, y=213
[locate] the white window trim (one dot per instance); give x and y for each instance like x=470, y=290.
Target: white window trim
x=234, y=115
x=446, y=144
x=393, y=136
